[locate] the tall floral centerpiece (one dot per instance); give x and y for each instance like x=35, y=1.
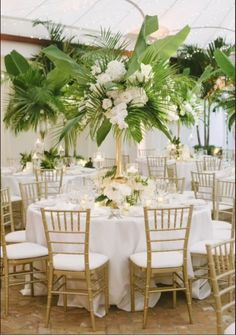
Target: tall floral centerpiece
x=119, y=93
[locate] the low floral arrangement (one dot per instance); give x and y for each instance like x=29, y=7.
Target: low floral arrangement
x=115, y=194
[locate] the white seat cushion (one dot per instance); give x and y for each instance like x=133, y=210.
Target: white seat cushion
x=200, y=247
x=160, y=259
x=69, y=262
x=230, y=329
x=221, y=234
x=16, y=236
x=221, y=225
x=25, y=250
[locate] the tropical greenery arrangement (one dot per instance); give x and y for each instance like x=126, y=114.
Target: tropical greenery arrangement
x=201, y=64
x=125, y=95
x=25, y=158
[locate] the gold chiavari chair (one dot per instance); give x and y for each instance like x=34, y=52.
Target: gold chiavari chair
x=199, y=249
x=14, y=236
x=52, y=177
x=225, y=194
x=204, y=187
x=67, y=234
x=30, y=193
x=146, y=152
x=167, y=233
x=212, y=163
x=172, y=170
x=222, y=272
x=200, y=166
x=156, y=166
x=177, y=183
x=13, y=255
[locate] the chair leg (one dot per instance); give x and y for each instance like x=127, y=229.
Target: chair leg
x=174, y=292
x=32, y=279
x=132, y=292
x=65, y=296
x=6, y=288
x=90, y=298
x=49, y=301
x=106, y=291
x=188, y=295
x=146, y=297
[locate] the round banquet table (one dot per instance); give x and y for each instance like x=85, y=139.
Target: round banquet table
x=75, y=175
x=184, y=168
x=117, y=238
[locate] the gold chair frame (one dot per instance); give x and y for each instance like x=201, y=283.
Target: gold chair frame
x=30, y=193
x=70, y=223
x=204, y=187
x=157, y=166
x=222, y=269
x=179, y=182
x=53, y=177
x=225, y=197
x=172, y=170
x=9, y=266
x=163, y=223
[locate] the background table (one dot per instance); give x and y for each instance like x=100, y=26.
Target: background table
x=77, y=176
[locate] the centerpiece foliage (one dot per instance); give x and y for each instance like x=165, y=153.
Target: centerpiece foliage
x=118, y=93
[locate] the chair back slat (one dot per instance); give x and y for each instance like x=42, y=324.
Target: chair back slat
x=212, y=163
x=172, y=170
x=167, y=229
x=67, y=232
x=222, y=272
x=53, y=178
x=156, y=166
x=31, y=193
x=225, y=197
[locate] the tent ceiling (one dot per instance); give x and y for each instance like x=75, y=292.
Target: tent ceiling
x=214, y=17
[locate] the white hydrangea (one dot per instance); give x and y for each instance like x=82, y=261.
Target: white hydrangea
x=96, y=69
x=106, y=104
x=117, y=192
x=113, y=94
x=116, y=70
x=103, y=78
x=117, y=115
x=139, y=95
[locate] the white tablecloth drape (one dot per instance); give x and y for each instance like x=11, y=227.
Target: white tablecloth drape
x=117, y=238
x=72, y=176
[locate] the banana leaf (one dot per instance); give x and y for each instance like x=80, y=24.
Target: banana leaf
x=164, y=48
x=225, y=64
x=16, y=64
x=66, y=64
x=149, y=26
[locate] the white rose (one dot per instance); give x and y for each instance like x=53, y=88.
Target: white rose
x=125, y=96
x=182, y=112
x=116, y=70
x=146, y=71
x=172, y=116
x=113, y=94
x=141, y=97
x=140, y=77
x=103, y=78
x=106, y=104
x=188, y=108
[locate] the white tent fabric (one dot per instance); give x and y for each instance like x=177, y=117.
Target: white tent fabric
x=207, y=18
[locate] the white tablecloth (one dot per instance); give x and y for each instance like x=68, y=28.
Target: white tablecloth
x=75, y=175
x=118, y=239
